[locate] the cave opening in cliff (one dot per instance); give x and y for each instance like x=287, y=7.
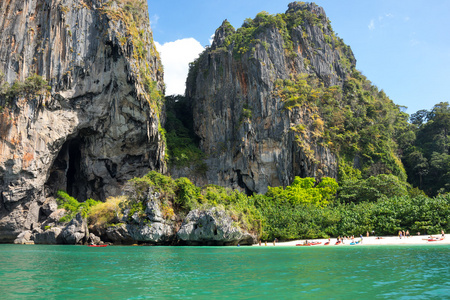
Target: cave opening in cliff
x=242, y=184
x=75, y=178
x=67, y=173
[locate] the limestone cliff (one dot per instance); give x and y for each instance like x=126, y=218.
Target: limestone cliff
x=246, y=129
x=80, y=100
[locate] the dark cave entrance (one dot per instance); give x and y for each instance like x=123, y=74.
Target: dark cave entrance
x=76, y=182
x=242, y=184
x=67, y=173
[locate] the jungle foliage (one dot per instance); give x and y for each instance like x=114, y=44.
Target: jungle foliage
x=359, y=122
x=305, y=209
x=73, y=207
x=427, y=153
x=310, y=209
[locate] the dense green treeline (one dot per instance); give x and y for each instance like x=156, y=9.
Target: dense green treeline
x=427, y=155
x=305, y=209
x=382, y=203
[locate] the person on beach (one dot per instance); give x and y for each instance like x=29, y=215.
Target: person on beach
x=407, y=234
x=400, y=234
x=260, y=242
x=442, y=233
x=361, y=238
x=367, y=234
x=404, y=234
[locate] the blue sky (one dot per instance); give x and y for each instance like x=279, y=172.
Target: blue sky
x=402, y=46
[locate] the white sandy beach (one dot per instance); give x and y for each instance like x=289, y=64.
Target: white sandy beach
x=371, y=240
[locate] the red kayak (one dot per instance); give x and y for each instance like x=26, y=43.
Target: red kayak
x=97, y=245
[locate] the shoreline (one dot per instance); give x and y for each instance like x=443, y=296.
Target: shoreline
x=367, y=241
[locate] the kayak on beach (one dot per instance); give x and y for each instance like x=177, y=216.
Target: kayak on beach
x=309, y=244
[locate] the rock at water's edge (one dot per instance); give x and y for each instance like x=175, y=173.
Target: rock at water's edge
x=212, y=227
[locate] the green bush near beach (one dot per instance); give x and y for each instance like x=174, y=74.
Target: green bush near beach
x=72, y=206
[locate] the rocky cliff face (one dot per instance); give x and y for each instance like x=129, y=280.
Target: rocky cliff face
x=96, y=126
x=247, y=132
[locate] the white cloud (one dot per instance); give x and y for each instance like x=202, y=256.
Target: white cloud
x=371, y=25
x=176, y=57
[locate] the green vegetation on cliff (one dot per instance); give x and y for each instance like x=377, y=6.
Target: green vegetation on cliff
x=358, y=122
x=133, y=15
x=182, y=143
x=32, y=86
x=72, y=206
x=245, y=38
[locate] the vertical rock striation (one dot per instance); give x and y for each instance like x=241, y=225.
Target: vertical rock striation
x=245, y=129
x=97, y=125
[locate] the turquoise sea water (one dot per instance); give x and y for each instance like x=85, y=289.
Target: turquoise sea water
x=360, y=272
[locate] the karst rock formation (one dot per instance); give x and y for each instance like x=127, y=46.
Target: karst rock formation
x=244, y=127
x=80, y=100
